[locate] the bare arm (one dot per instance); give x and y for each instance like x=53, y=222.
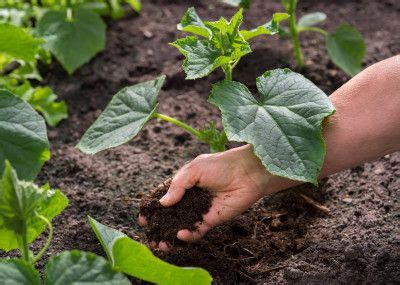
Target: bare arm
x=366, y=126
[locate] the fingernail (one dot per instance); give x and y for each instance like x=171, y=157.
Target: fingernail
x=164, y=198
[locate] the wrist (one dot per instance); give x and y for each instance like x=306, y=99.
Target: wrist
x=265, y=182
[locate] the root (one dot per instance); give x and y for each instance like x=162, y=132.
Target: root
x=314, y=203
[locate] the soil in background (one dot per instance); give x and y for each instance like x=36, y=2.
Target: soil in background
x=281, y=239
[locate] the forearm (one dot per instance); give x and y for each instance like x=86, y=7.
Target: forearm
x=366, y=124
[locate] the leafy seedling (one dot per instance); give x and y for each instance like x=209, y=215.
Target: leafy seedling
x=345, y=47
x=18, y=53
x=284, y=125
x=135, y=259
x=218, y=44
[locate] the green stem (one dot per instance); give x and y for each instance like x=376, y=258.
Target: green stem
x=314, y=29
x=25, y=246
x=69, y=11
x=294, y=33
x=178, y=123
x=227, y=68
x=48, y=241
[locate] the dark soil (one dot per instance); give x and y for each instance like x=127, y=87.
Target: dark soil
x=281, y=239
x=165, y=222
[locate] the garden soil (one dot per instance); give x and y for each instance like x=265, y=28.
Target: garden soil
x=281, y=239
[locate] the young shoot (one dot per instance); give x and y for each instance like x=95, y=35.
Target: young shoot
x=345, y=47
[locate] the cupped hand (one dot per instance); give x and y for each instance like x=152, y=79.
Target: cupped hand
x=237, y=180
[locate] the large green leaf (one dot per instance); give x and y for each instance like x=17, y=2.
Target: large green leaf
x=201, y=57
x=23, y=138
x=18, y=272
x=19, y=203
x=135, y=259
x=270, y=28
x=284, y=125
x=123, y=118
x=73, y=42
x=346, y=48
x=311, y=19
x=17, y=42
x=78, y=268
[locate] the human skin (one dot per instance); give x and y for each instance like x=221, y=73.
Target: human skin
x=366, y=126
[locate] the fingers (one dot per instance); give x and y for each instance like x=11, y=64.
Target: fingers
x=191, y=236
x=186, y=178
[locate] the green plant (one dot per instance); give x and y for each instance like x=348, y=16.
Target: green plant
x=345, y=47
x=19, y=52
x=73, y=30
x=283, y=125
x=25, y=211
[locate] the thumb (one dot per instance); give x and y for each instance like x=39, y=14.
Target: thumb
x=186, y=178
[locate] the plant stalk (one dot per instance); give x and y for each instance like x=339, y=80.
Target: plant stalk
x=48, y=241
x=228, y=71
x=314, y=29
x=25, y=247
x=69, y=11
x=178, y=123
x=294, y=34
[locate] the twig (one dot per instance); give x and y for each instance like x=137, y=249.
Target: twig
x=314, y=203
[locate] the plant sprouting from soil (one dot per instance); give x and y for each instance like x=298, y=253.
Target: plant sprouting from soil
x=345, y=47
x=27, y=209
x=283, y=125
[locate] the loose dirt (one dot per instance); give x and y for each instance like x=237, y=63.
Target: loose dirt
x=281, y=239
x=165, y=222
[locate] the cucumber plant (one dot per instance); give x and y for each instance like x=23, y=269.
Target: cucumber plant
x=345, y=47
x=283, y=123
x=73, y=30
x=19, y=52
x=27, y=209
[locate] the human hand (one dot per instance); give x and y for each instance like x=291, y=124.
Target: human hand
x=237, y=180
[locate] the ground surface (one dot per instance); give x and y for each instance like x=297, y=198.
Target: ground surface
x=281, y=239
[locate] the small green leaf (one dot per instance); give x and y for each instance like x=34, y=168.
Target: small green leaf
x=18, y=43
x=216, y=139
x=135, y=4
x=238, y=3
x=311, y=19
x=78, y=267
x=192, y=23
x=117, y=11
x=346, y=48
x=284, y=126
x=126, y=114
x=73, y=42
x=135, y=259
x=18, y=272
x=19, y=203
x=270, y=28
x=201, y=57
x=43, y=100
x=23, y=138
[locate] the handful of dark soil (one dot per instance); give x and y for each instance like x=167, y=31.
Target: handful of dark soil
x=165, y=222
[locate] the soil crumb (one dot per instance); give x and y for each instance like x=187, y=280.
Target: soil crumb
x=165, y=222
